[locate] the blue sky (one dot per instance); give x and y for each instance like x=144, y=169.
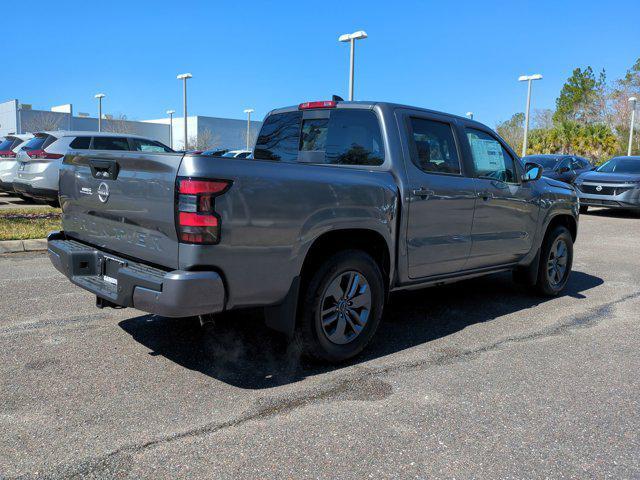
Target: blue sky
x=450, y=56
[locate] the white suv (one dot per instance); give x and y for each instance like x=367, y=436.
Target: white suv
x=9, y=147
x=40, y=159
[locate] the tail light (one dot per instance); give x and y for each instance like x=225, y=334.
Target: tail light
x=321, y=104
x=197, y=220
x=7, y=154
x=42, y=154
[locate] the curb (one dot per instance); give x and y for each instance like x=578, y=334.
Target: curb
x=15, y=246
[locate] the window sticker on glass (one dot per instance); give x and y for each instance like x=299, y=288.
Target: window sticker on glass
x=487, y=154
x=490, y=159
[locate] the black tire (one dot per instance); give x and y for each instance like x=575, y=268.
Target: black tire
x=53, y=203
x=545, y=285
x=315, y=339
x=584, y=209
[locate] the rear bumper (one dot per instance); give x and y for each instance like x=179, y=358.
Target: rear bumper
x=39, y=193
x=171, y=294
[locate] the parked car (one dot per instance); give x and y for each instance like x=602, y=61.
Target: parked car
x=614, y=184
x=565, y=168
x=9, y=146
x=341, y=204
x=237, y=154
x=216, y=152
x=38, y=162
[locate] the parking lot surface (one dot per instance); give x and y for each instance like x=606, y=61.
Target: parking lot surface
x=478, y=379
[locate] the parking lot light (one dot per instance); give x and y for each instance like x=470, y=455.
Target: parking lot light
x=184, y=77
x=248, y=111
x=170, y=113
x=351, y=38
x=99, y=96
x=528, y=79
x=633, y=101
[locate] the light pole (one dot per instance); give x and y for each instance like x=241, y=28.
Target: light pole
x=184, y=77
x=469, y=115
x=170, y=113
x=529, y=79
x=632, y=101
x=351, y=38
x=248, y=111
x=100, y=96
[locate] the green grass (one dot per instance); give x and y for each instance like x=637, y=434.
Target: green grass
x=26, y=223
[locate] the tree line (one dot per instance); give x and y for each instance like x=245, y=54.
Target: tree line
x=591, y=118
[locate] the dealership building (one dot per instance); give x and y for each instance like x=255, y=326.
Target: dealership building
x=203, y=131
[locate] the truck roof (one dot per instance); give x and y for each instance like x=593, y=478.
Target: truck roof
x=372, y=104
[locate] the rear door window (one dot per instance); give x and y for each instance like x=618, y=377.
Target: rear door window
x=490, y=159
x=142, y=145
x=433, y=147
x=279, y=137
x=110, y=143
x=80, y=143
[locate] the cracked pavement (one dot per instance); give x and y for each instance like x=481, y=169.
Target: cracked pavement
x=471, y=380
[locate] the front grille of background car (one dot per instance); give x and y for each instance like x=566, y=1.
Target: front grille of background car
x=591, y=189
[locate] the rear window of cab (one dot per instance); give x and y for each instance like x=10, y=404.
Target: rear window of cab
x=339, y=137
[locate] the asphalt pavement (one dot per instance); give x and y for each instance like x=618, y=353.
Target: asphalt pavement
x=479, y=379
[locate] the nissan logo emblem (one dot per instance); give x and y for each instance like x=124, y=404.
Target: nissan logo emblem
x=599, y=188
x=103, y=192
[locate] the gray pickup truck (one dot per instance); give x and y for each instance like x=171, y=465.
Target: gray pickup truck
x=341, y=204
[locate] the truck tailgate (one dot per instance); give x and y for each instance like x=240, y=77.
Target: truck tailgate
x=122, y=202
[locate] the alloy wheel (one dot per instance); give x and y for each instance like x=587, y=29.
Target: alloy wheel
x=557, y=262
x=345, y=308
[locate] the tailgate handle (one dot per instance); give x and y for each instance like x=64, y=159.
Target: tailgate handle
x=106, y=169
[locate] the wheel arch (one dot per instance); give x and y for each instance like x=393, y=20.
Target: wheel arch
x=565, y=220
x=370, y=241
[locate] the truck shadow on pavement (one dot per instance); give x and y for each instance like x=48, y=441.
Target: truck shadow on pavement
x=241, y=351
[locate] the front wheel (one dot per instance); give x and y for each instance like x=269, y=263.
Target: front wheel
x=556, y=259
x=341, y=306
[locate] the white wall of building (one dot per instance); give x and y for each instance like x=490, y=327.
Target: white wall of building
x=216, y=132
x=13, y=119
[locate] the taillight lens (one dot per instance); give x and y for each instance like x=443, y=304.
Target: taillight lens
x=43, y=154
x=197, y=220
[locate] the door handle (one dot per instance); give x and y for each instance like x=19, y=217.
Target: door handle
x=485, y=195
x=422, y=192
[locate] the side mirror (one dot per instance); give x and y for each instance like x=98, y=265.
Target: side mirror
x=532, y=172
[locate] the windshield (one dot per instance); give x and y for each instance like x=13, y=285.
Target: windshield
x=229, y=154
x=621, y=165
x=5, y=145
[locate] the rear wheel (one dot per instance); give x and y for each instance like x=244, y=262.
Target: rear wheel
x=556, y=259
x=341, y=306
x=584, y=208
